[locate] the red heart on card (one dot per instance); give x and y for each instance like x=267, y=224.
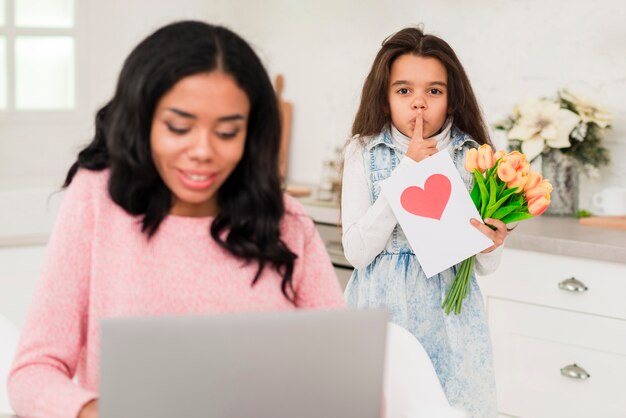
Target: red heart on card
x=429, y=202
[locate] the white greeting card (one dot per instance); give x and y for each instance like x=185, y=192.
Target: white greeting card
x=433, y=207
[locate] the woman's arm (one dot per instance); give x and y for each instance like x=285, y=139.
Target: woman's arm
x=314, y=278
x=90, y=410
x=40, y=382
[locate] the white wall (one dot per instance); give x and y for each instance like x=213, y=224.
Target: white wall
x=324, y=48
x=510, y=48
x=515, y=47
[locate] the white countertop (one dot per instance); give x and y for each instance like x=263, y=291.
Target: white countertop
x=322, y=211
x=566, y=236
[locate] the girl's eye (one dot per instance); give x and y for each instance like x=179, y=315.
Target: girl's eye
x=403, y=91
x=176, y=130
x=435, y=91
x=228, y=135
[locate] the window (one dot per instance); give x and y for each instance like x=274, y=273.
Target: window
x=3, y=71
x=2, y=12
x=37, y=55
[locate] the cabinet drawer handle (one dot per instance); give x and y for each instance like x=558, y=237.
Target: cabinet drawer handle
x=573, y=371
x=572, y=285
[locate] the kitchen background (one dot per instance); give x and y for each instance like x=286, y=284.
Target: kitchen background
x=324, y=48
x=510, y=48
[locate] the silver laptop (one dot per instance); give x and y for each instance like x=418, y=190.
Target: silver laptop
x=303, y=364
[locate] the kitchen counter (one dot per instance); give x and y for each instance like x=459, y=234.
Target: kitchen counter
x=545, y=234
x=566, y=236
x=322, y=211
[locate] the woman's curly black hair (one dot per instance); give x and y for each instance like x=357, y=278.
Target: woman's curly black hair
x=250, y=201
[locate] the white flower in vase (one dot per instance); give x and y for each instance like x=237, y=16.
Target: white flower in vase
x=542, y=122
x=567, y=131
x=587, y=108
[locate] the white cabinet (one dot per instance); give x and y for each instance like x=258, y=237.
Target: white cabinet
x=26, y=219
x=331, y=235
x=558, y=327
x=19, y=274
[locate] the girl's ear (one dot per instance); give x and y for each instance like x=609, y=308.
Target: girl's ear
x=450, y=111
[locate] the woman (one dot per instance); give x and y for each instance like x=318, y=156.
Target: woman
x=175, y=208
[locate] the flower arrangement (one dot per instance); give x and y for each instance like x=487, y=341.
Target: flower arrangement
x=571, y=123
x=504, y=189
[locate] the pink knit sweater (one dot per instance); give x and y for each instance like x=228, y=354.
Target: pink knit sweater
x=99, y=264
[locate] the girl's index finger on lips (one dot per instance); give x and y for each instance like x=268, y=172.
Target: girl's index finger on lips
x=418, y=130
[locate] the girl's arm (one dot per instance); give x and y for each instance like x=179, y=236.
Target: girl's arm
x=488, y=261
x=366, y=226
x=40, y=382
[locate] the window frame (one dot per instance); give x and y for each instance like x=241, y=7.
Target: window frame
x=13, y=116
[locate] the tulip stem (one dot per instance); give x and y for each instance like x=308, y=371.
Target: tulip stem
x=460, y=287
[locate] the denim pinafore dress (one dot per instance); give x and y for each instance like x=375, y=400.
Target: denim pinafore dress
x=458, y=345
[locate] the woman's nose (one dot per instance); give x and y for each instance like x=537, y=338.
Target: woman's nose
x=201, y=148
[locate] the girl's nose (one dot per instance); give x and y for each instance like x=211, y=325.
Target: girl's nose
x=419, y=103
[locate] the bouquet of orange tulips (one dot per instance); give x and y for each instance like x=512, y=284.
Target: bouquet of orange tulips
x=504, y=189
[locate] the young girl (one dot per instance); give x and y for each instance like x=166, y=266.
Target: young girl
x=175, y=208
x=417, y=101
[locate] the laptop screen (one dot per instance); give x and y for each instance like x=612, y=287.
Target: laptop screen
x=285, y=364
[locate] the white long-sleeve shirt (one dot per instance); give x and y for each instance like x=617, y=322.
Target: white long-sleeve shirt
x=366, y=226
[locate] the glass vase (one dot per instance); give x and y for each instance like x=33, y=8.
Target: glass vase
x=563, y=172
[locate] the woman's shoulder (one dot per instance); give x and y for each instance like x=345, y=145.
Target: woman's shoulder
x=296, y=221
x=89, y=190
x=86, y=202
x=293, y=207
x=89, y=183
x=93, y=176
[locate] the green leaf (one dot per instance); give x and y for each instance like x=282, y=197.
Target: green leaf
x=493, y=191
x=516, y=216
x=502, y=200
x=502, y=187
x=508, y=192
x=493, y=203
x=493, y=208
x=484, y=195
x=503, y=211
x=518, y=198
x=475, y=195
x=489, y=172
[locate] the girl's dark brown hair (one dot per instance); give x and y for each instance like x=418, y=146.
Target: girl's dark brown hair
x=374, y=113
